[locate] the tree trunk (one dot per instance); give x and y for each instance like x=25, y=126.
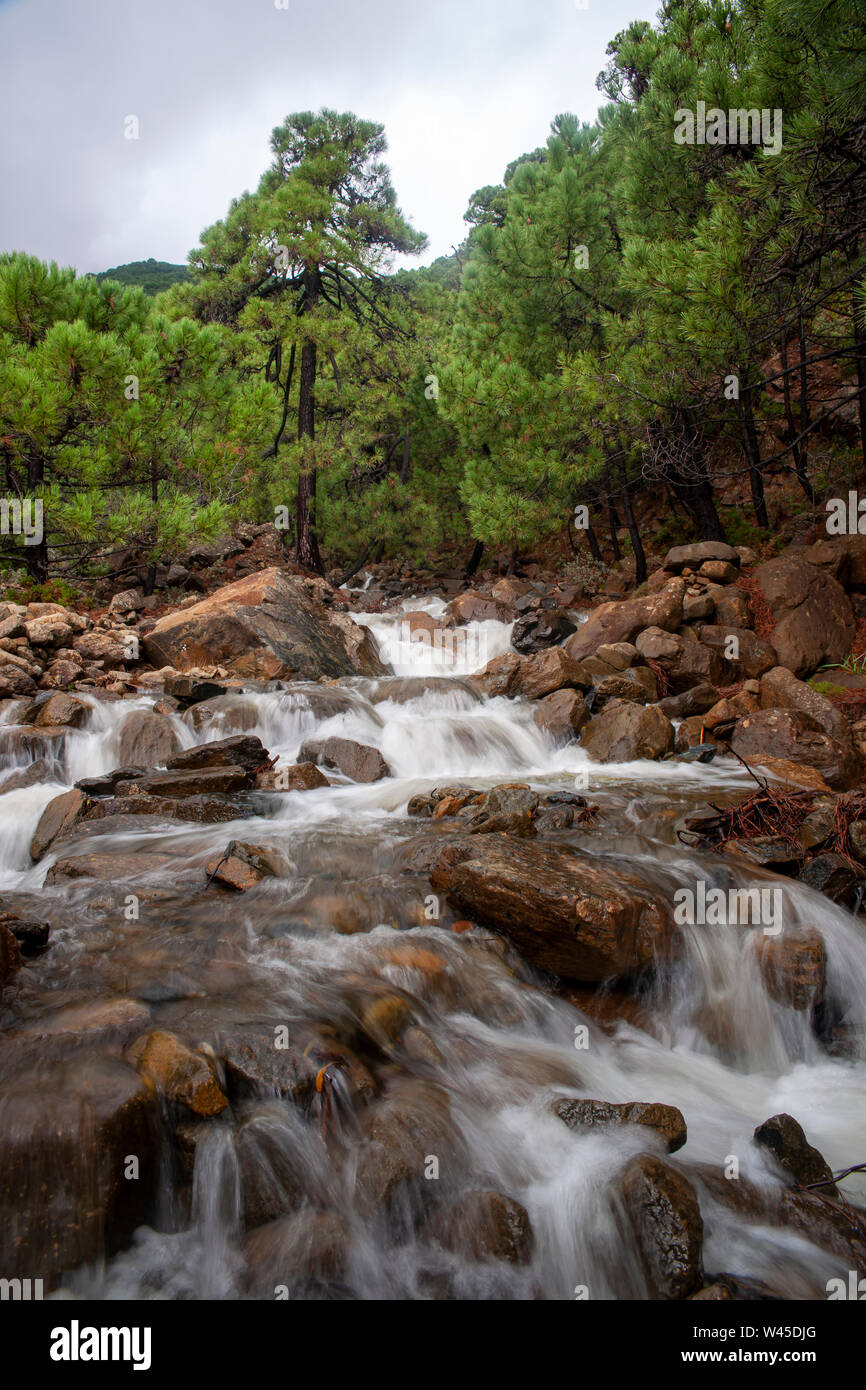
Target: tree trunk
x=797, y=448
x=752, y=450
x=307, y=543
x=475, y=559
x=36, y=556
x=691, y=484
x=860, y=362
x=636, y=542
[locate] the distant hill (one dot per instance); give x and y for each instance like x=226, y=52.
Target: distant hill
x=153, y=276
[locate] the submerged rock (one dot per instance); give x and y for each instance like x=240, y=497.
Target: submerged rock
x=666, y=1221
x=567, y=913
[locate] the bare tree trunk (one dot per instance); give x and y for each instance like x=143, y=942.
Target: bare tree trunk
x=637, y=543
x=307, y=542
x=752, y=450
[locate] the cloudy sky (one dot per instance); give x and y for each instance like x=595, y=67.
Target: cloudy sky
x=463, y=87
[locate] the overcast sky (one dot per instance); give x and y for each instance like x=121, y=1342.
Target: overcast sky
x=462, y=86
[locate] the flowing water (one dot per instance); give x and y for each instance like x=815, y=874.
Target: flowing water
x=351, y=919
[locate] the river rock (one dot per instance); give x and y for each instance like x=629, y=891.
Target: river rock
x=147, y=739
x=243, y=866
x=833, y=876
x=473, y=607
x=534, y=632
x=58, y=818
x=621, y=622
x=694, y=556
x=302, y=777
x=14, y=682
x=483, y=1225
x=755, y=656
x=780, y=689
x=65, y=1137
x=794, y=967
x=625, y=732
x=204, y=781
x=636, y=686
x=689, y=702
x=260, y=1061
x=568, y=914
x=783, y=1137
x=814, y=619
x=796, y=737
x=268, y=625
x=666, y=1120
x=549, y=671
x=59, y=711
x=178, y=1073
x=400, y=1131
x=240, y=750
x=308, y=1248
x=666, y=1219
x=10, y=955
x=561, y=715
x=357, y=761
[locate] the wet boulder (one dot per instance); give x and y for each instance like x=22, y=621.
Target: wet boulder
x=58, y=818
x=240, y=750
x=561, y=715
x=666, y=1120
x=625, y=732
x=794, y=967
x=309, y=1248
x=181, y=1075
x=147, y=739
x=10, y=955
x=66, y=1137
x=665, y=1218
x=567, y=913
x=483, y=1225
x=260, y=1061
x=535, y=632
x=473, y=607
x=784, y=1139
x=243, y=866
x=301, y=777
x=267, y=625
x=357, y=761
x=401, y=1133
x=795, y=737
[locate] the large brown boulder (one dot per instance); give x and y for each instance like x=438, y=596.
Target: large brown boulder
x=814, y=619
x=796, y=737
x=268, y=625
x=621, y=622
x=147, y=739
x=562, y=715
x=754, y=656
x=666, y=1120
x=532, y=677
x=624, y=732
x=567, y=913
x=780, y=689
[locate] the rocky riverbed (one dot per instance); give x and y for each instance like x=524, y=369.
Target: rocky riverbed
x=342, y=952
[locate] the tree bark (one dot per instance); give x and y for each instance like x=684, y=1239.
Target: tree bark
x=752, y=450
x=307, y=541
x=636, y=542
